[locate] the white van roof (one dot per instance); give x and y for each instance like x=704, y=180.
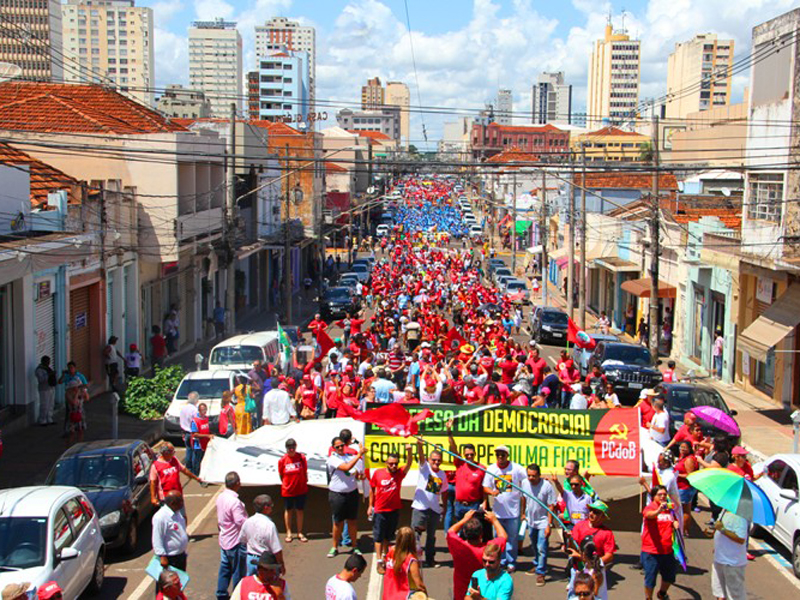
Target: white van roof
x=257, y=338
x=212, y=374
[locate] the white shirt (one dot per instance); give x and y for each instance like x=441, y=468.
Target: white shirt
x=342, y=481
x=613, y=399
x=260, y=534
x=188, y=412
x=578, y=402
x=726, y=551
x=433, y=396
x=278, y=407
x=338, y=589
x=660, y=419
x=506, y=503
x=535, y=512
x=430, y=486
x=169, y=532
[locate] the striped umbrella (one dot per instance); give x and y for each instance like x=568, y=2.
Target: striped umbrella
x=735, y=494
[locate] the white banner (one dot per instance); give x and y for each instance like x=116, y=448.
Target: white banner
x=255, y=457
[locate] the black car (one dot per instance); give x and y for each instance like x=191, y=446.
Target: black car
x=681, y=397
x=114, y=475
x=337, y=302
x=549, y=324
x=629, y=367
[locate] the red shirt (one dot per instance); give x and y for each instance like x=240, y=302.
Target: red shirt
x=227, y=416
x=603, y=537
x=386, y=487
x=466, y=559
x=657, y=533
x=294, y=475
x=161, y=596
x=469, y=482
x=647, y=411
x=168, y=476
x=509, y=369
x=487, y=362
x=472, y=394
x=355, y=326
x=746, y=472
x=536, y=369
x=159, y=345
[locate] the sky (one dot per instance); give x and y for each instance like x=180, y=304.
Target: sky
x=464, y=49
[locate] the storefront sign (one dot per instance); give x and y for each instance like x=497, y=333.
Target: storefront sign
x=764, y=290
x=80, y=320
x=43, y=289
x=604, y=441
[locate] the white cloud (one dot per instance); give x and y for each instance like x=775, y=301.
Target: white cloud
x=164, y=10
x=171, y=58
x=208, y=10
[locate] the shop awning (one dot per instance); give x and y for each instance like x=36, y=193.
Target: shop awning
x=641, y=288
x=523, y=226
x=535, y=249
x=616, y=264
x=774, y=324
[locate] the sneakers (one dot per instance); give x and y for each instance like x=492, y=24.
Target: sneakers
x=381, y=568
x=539, y=580
x=511, y=569
x=332, y=553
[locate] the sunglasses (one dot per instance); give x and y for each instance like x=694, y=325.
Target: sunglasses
x=584, y=594
x=392, y=464
x=338, y=447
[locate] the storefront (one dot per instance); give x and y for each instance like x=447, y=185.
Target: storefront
x=612, y=273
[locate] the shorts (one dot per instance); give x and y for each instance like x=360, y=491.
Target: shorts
x=344, y=506
x=687, y=495
x=655, y=564
x=728, y=582
x=384, y=524
x=295, y=502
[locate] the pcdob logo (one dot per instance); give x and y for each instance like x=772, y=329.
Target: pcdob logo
x=615, y=443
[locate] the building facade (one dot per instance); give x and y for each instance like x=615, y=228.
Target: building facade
x=547, y=141
x=552, y=100
x=215, y=64
x=31, y=38
x=504, y=107
x=372, y=94
x=182, y=103
x=611, y=144
x=699, y=75
x=385, y=120
x=397, y=94
x=283, y=86
x=110, y=42
x=279, y=33
x=612, y=95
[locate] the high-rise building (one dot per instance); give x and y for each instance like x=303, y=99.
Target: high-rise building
x=279, y=33
x=385, y=120
x=283, y=85
x=215, y=64
x=612, y=95
x=181, y=103
x=110, y=42
x=31, y=38
x=372, y=94
x=504, y=107
x=699, y=75
x=552, y=100
x=397, y=94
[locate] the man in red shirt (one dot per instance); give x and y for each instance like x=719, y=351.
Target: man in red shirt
x=158, y=345
x=165, y=474
x=468, y=479
x=508, y=366
x=467, y=548
x=596, y=526
x=385, y=502
x=293, y=471
x=473, y=394
x=537, y=364
x=317, y=325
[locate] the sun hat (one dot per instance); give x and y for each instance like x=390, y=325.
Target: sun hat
x=502, y=448
x=599, y=505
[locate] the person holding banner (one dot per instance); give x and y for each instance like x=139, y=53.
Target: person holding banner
x=430, y=498
x=538, y=520
x=343, y=471
x=497, y=484
x=468, y=480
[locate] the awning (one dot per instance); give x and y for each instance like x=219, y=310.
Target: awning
x=616, y=264
x=535, y=249
x=565, y=260
x=641, y=288
x=774, y=324
x=557, y=253
x=523, y=226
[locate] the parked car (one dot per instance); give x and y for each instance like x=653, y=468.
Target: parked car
x=365, y=260
x=51, y=533
x=114, y=476
x=548, y=324
x=239, y=351
x=503, y=281
x=581, y=355
x=475, y=231
x=680, y=397
x=383, y=230
x=779, y=482
x=629, y=367
x=501, y=272
x=517, y=286
x=361, y=270
x=209, y=385
x=337, y=302
x=495, y=263
x=348, y=280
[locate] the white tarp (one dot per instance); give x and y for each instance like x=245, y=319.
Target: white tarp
x=255, y=457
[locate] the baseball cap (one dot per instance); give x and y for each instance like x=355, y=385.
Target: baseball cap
x=738, y=450
x=502, y=448
x=48, y=590
x=576, y=387
x=599, y=505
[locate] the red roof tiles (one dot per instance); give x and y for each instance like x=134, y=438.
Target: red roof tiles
x=513, y=155
x=43, y=178
x=61, y=107
x=334, y=168
x=611, y=130
x=374, y=135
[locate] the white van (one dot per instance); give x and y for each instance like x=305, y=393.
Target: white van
x=209, y=385
x=239, y=351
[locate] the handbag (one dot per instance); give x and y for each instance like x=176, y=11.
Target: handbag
x=250, y=405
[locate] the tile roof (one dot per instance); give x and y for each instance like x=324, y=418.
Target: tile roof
x=276, y=127
x=632, y=180
x=611, y=130
x=61, y=107
x=44, y=178
x=334, y=168
x=513, y=154
x=374, y=135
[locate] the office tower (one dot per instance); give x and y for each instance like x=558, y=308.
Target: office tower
x=30, y=38
x=504, y=107
x=552, y=99
x=613, y=89
x=698, y=75
x=215, y=64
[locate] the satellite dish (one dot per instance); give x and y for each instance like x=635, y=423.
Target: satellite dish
x=9, y=71
x=726, y=192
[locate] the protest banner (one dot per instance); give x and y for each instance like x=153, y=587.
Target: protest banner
x=606, y=442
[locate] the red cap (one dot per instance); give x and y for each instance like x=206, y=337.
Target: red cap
x=349, y=368
x=430, y=382
x=133, y=349
x=290, y=381
x=48, y=590
x=281, y=377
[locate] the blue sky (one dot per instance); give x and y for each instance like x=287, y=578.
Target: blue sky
x=465, y=49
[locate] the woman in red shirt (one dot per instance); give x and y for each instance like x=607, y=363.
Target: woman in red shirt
x=402, y=567
x=686, y=464
x=657, y=531
x=740, y=464
x=293, y=471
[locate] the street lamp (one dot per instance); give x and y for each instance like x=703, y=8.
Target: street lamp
x=297, y=194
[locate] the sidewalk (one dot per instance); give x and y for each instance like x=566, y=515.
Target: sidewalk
x=30, y=452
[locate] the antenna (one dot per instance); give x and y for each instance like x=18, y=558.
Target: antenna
x=9, y=71
x=623, y=20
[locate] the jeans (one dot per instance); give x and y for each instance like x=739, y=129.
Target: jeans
x=231, y=569
x=426, y=521
x=718, y=365
x=539, y=545
x=511, y=525
x=187, y=443
x=449, y=512
x=197, y=458
x=346, y=541
x=566, y=396
x=460, y=509
x=251, y=564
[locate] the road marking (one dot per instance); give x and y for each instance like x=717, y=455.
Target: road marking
x=555, y=362
x=374, y=589
x=777, y=560
x=147, y=581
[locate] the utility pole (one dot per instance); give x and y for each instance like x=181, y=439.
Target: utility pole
x=230, y=292
x=287, y=262
x=655, y=228
x=369, y=187
x=543, y=235
x=583, y=290
x=571, y=255
x=514, y=227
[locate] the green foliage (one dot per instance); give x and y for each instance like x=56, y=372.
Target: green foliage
x=148, y=397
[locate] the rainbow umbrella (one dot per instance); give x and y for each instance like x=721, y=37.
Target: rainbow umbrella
x=735, y=494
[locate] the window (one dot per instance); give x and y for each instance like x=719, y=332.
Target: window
x=77, y=515
x=62, y=533
x=766, y=197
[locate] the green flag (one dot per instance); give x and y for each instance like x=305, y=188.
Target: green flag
x=283, y=340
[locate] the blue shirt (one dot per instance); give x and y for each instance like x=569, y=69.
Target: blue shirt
x=501, y=588
x=413, y=373
x=219, y=315
x=383, y=390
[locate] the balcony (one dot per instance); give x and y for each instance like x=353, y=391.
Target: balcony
x=199, y=225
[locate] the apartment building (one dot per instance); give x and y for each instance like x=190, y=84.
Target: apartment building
x=551, y=100
x=283, y=85
x=215, y=64
x=504, y=107
x=699, y=76
x=279, y=33
x=613, y=87
x=181, y=103
x=397, y=94
x=372, y=94
x=31, y=38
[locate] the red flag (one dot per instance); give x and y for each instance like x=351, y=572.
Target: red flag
x=656, y=479
x=579, y=337
x=454, y=336
x=393, y=418
x=324, y=343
